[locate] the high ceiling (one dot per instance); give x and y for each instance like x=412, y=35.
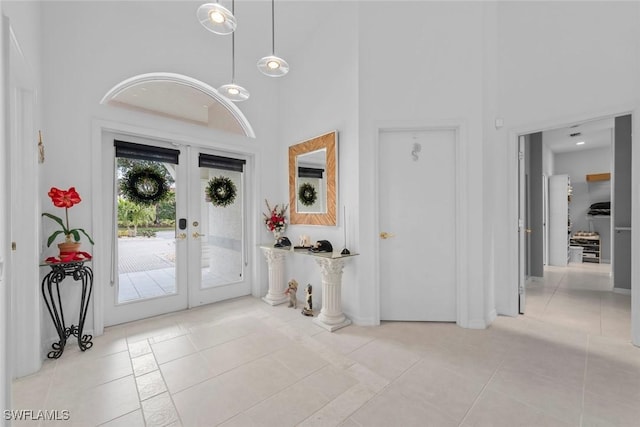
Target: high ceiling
x=294, y=24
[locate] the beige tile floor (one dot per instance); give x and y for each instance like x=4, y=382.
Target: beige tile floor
x=568, y=362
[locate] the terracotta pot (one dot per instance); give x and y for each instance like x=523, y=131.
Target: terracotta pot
x=67, y=248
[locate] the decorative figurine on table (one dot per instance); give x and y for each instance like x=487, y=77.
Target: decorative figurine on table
x=305, y=242
x=283, y=242
x=308, y=306
x=322, y=246
x=291, y=291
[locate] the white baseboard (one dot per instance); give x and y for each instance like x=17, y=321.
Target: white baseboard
x=623, y=291
x=493, y=314
x=477, y=324
x=362, y=321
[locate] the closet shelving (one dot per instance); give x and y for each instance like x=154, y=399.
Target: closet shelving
x=590, y=243
x=560, y=192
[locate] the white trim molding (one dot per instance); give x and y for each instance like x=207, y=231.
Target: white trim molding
x=512, y=198
x=185, y=81
x=233, y=144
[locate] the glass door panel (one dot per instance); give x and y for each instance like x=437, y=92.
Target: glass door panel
x=217, y=247
x=146, y=236
x=221, y=243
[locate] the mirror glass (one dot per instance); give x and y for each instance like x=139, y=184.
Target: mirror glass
x=312, y=181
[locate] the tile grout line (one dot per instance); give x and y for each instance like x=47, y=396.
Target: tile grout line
x=278, y=392
x=484, y=387
x=584, y=379
x=359, y=383
x=49, y=387
x=144, y=417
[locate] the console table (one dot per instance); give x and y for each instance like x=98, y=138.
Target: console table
x=331, y=266
x=79, y=271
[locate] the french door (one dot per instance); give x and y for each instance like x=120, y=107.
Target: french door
x=180, y=250
x=217, y=247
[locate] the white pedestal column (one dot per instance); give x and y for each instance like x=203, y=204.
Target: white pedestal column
x=277, y=286
x=331, y=316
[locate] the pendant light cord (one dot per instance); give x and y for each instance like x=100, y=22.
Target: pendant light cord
x=233, y=45
x=273, y=31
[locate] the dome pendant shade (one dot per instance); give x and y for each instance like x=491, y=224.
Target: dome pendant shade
x=273, y=66
x=234, y=92
x=216, y=18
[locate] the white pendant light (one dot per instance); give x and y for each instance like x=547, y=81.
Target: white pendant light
x=232, y=91
x=272, y=65
x=217, y=18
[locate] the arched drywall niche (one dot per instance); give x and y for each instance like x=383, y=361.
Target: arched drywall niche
x=179, y=97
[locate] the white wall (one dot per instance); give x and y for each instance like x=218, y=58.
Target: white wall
x=320, y=95
x=427, y=70
x=558, y=63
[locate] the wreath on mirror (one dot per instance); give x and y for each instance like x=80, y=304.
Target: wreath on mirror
x=221, y=191
x=144, y=185
x=307, y=194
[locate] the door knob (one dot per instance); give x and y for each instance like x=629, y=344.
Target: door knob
x=528, y=230
x=181, y=236
x=196, y=235
x=384, y=235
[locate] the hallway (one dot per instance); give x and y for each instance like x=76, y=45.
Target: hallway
x=580, y=297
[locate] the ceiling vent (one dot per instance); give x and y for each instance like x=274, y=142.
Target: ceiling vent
x=575, y=134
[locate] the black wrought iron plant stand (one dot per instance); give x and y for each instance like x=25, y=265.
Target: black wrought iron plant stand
x=50, y=286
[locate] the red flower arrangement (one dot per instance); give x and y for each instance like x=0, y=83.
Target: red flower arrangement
x=65, y=199
x=275, y=219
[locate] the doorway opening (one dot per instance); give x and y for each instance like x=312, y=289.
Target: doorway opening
x=574, y=205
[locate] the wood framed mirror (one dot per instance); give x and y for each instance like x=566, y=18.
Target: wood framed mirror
x=312, y=180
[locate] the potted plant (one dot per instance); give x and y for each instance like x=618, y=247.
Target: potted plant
x=65, y=199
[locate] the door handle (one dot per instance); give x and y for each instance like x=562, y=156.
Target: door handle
x=181, y=236
x=528, y=230
x=196, y=235
x=384, y=235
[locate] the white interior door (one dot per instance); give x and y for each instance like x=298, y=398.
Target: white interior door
x=218, y=259
x=417, y=220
